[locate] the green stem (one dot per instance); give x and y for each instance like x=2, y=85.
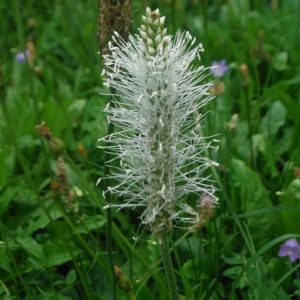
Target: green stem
x=109, y=214
x=4, y=287
x=205, y=20
x=131, y=295
x=169, y=271
x=248, y=107
x=296, y=129
x=159, y=261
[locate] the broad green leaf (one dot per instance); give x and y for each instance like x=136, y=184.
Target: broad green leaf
x=63, y=297
x=90, y=222
x=8, y=297
x=214, y=296
x=296, y=282
x=36, y=263
x=7, y=196
x=280, y=90
x=291, y=217
x=26, y=141
x=224, y=104
x=274, y=119
x=232, y=272
x=59, y=282
x=32, y=247
x=289, y=168
x=57, y=253
x=71, y=277
x=77, y=106
x=233, y=297
x=234, y=260
x=193, y=246
x=248, y=194
x=262, y=143
x=240, y=142
x=278, y=267
x=5, y=263
x=141, y=291
x=195, y=269
x=280, y=61
x=45, y=294
x=7, y=162
x=283, y=144
x=97, y=297
x=40, y=222
x=269, y=289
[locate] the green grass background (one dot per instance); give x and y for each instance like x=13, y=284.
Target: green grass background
x=48, y=251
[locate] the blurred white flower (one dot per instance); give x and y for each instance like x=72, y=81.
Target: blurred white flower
x=156, y=107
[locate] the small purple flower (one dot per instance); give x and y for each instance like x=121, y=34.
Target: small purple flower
x=291, y=249
x=219, y=68
x=21, y=56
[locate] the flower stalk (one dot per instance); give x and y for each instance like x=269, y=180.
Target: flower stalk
x=113, y=15
x=168, y=266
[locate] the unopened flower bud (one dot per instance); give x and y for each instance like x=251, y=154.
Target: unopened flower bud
x=274, y=4
x=246, y=79
x=123, y=281
x=55, y=144
x=234, y=121
x=32, y=23
x=81, y=150
x=39, y=71
x=217, y=88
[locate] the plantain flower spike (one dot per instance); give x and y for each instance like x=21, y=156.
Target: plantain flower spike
x=157, y=106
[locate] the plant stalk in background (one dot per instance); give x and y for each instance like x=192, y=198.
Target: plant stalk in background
x=115, y=15
x=157, y=94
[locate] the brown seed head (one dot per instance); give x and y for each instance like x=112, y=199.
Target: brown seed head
x=297, y=173
x=115, y=15
x=63, y=182
x=44, y=130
